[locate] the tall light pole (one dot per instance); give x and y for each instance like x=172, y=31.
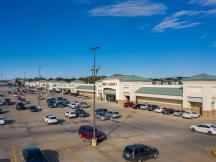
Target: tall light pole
x=94, y=140
x=39, y=72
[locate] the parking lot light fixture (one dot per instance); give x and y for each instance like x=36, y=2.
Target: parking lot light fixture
x=94, y=139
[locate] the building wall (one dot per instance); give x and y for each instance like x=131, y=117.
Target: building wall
x=164, y=102
x=202, y=92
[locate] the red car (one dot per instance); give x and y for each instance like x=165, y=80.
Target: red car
x=129, y=104
x=86, y=131
x=18, y=97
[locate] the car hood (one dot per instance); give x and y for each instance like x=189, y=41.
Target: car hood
x=100, y=134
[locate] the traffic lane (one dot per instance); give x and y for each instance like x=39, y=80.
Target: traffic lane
x=185, y=149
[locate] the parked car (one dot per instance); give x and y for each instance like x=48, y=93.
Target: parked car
x=2, y=111
x=70, y=114
x=52, y=105
x=190, y=115
x=34, y=109
x=59, y=99
x=61, y=104
x=50, y=100
x=2, y=120
x=66, y=93
x=74, y=94
x=140, y=106
x=1, y=94
x=151, y=107
x=72, y=105
x=80, y=96
x=129, y=104
x=103, y=116
x=81, y=113
x=20, y=106
x=7, y=102
x=101, y=110
x=86, y=131
x=33, y=154
x=1, y=103
x=18, y=97
x=86, y=97
x=140, y=153
x=83, y=105
x=50, y=119
x=178, y=113
x=159, y=110
x=40, y=97
x=204, y=128
x=168, y=111
x=114, y=114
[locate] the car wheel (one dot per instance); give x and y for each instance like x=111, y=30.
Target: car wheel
x=140, y=159
x=209, y=133
x=155, y=156
x=192, y=129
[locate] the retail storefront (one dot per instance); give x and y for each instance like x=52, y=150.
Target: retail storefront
x=165, y=96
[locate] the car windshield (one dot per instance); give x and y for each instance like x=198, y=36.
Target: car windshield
x=34, y=155
x=52, y=117
x=115, y=113
x=213, y=126
x=128, y=150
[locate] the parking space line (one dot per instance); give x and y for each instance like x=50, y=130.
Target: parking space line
x=71, y=152
x=13, y=155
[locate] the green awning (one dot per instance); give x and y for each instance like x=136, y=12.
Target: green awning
x=161, y=91
x=110, y=91
x=85, y=87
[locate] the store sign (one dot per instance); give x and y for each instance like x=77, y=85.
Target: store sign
x=195, y=99
x=112, y=84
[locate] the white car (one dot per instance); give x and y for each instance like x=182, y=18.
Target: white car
x=83, y=105
x=204, y=128
x=50, y=119
x=114, y=114
x=143, y=107
x=159, y=110
x=2, y=120
x=70, y=114
x=73, y=105
x=190, y=115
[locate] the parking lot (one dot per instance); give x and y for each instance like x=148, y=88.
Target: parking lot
x=61, y=142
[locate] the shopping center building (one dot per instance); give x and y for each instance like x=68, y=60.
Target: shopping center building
x=196, y=93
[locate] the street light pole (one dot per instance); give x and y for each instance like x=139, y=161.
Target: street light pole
x=39, y=103
x=94, y=140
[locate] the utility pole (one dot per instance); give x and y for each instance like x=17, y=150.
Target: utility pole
x=39, y=102
x=94, y=140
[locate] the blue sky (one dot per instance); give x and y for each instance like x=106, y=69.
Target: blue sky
x=151, y=38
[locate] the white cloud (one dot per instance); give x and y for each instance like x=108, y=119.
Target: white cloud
x=130, y=8
x=184, y=19
x=186, y=13
x=204, y=2
x=174, y=23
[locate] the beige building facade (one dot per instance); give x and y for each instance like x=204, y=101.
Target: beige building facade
x=196, y=93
